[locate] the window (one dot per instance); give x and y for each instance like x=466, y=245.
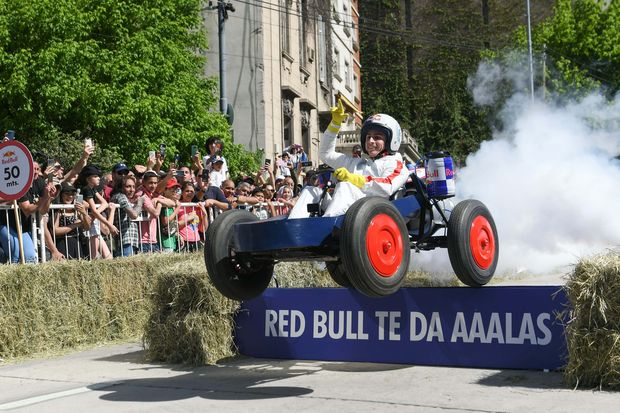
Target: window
x=347, y=75
x=285, y=26
x=336, y=67
x=322, y=51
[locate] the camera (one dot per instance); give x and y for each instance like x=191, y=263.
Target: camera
x=162, y=150
x=79, y=198
x=177, y=158
x=10, y=134
x=267, y=161
x=180, y=174
x=194, y=150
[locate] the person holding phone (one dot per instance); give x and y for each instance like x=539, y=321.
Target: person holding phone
x=90, y=178
x=69, y=223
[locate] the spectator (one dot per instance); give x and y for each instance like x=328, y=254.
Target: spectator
x=264, y=209
x=233, y=196
x=297, y=154
x=37, y=199
x=91, y=177
x=279, y=182
x=118, y=172
x=217, y=173
x=192, y=220
x=284, y=165
x=69, y=224
x=210, y=195
x=214, y=147
x=130, y=208
x=269, y=192
x=138, y=171
x=170, y=217
x=184, y=175
x=36, y=168
x=152, y=206
x=286, y=200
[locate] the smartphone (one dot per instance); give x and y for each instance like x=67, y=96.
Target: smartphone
x=51, y=162
x=162, y=150
x=79, y=198
x=88, y=142
x=152, y=154
x=10, y=134
x=180, y=173
x=194, y=150
x=309, y=163
x=177, y=158
x=267, y=161
x=50, y=178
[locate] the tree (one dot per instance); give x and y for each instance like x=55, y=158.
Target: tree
x=128, y=74
x=582, y=39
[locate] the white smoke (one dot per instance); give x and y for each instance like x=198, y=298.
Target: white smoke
x=550, y=178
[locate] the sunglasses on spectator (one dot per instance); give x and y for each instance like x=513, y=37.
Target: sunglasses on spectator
x=229, y=188
x=124, y=172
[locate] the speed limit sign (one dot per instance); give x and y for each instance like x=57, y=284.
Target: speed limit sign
x=16, y=170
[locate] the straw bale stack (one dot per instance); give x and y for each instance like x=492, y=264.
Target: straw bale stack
x=593, y=332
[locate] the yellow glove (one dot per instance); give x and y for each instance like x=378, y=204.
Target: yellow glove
x=343, y=175
x=338, y=116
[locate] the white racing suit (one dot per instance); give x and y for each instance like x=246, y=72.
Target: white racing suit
x=384, y=176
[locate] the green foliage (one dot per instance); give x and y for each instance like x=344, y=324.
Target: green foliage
x=583, y=42
x=421, y=79
x=128, y=74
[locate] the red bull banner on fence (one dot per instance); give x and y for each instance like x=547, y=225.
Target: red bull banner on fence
x=491, y=327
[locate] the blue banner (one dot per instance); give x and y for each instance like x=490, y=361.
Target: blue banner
x=490, y=327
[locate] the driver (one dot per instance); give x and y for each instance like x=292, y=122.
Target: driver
x=381, y=174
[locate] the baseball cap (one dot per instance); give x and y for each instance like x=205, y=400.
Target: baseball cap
x=218, y=159
x=119, y=167
x=279, y=177
x=172, y=183
x=90, y=170
x=67, y=187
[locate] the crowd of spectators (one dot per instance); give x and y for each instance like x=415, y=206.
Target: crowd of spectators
x=89, y=213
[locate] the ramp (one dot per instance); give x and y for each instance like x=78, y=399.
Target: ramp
x=491, y=327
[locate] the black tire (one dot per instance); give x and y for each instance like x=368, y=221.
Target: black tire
x=474, y=263
x=374, y=247
x=234, y=276
x=336, y=271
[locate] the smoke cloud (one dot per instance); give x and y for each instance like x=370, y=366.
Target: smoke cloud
x=550, y=178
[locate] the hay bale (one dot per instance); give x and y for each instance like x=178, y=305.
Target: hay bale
x=190, y=322
x=593, y=332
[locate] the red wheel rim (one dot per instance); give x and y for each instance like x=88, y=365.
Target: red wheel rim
x=482, y=242
x=384, y=245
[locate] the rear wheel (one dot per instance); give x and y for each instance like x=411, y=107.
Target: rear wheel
x=473, y=245
x=235, y=276
x=374, y=247
x=336, y=270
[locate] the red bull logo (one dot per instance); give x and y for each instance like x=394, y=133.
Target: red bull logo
x=9, y=157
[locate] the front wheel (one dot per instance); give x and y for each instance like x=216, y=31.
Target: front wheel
x=374, y=247
x=473, y=245
x=235, y=276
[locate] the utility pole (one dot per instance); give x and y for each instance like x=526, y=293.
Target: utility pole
x=222, y=15
x=529, y=47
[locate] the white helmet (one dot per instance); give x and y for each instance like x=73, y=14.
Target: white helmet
x=386, y=124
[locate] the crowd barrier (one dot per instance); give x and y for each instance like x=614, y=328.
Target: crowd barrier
x=37, y=221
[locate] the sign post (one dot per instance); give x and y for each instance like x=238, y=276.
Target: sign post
x=17, y=171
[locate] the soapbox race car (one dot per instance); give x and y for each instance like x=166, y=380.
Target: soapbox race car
x=368, y=248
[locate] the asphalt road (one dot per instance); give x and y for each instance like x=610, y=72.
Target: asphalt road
x=118, y=379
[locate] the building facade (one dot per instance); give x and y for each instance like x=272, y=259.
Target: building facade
x=287, y=62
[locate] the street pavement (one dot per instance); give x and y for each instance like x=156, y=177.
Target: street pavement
x=117, y=378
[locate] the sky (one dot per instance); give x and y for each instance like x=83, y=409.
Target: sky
x=549, y=178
